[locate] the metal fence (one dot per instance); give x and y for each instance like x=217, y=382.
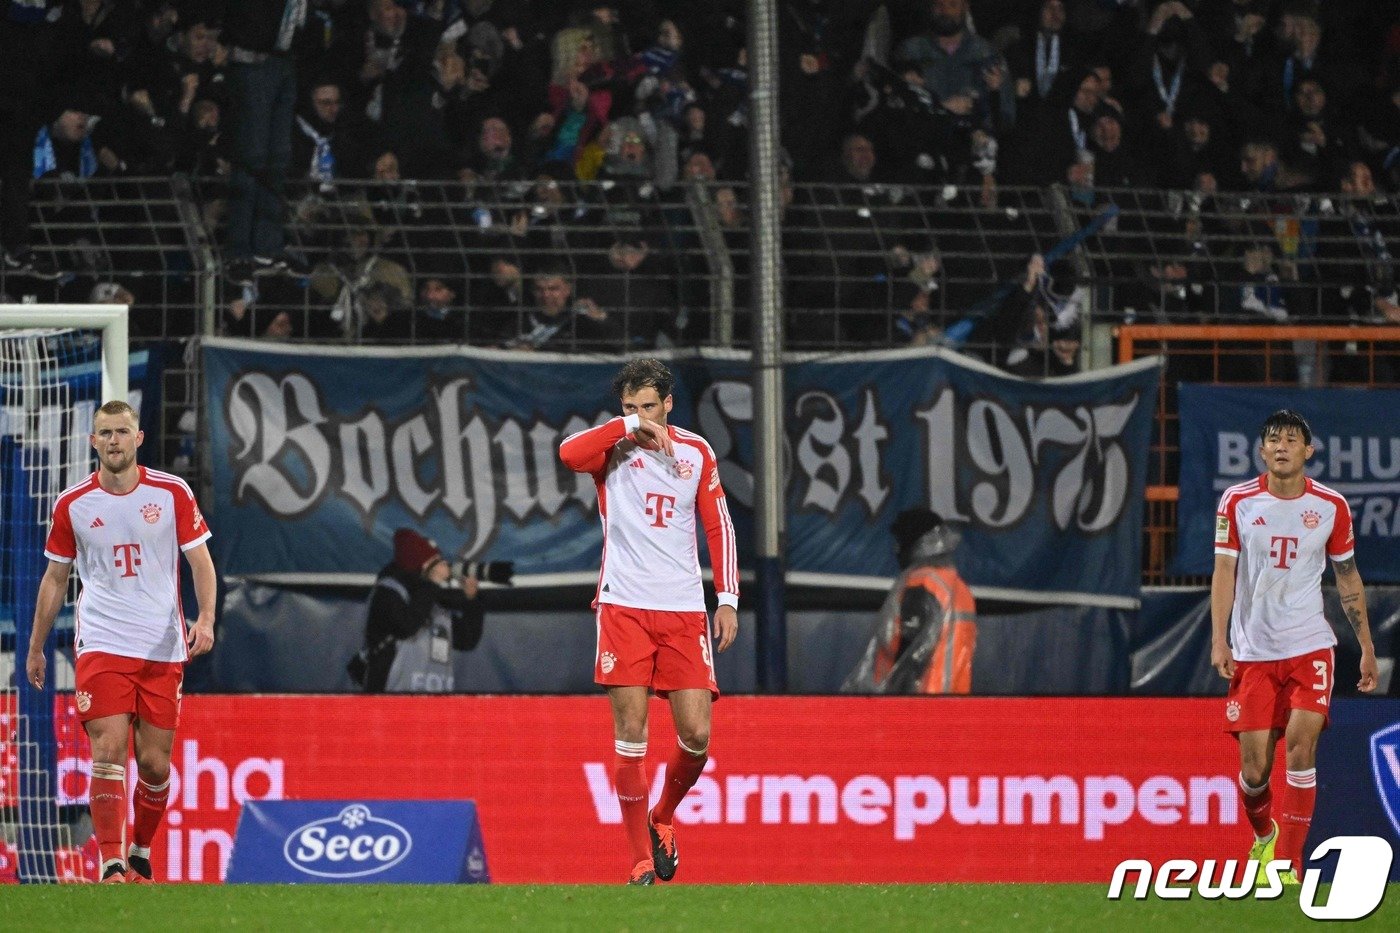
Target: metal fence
x=624, y=265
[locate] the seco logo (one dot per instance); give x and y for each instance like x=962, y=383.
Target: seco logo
x=352, y=844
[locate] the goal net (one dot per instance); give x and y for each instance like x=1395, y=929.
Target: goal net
x=58, y=363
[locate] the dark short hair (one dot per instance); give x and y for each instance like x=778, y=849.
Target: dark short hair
x=643, y=374
x=1285, y=418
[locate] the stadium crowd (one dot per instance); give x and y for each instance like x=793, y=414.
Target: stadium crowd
x=518, y=101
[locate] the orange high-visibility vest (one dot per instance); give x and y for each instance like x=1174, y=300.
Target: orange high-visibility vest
x=949, y=667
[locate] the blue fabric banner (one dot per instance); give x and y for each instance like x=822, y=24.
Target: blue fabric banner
x=319, y=456
x=1357, y=437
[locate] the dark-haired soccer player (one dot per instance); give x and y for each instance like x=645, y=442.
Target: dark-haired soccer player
x=654, y=480
x=1272, y=537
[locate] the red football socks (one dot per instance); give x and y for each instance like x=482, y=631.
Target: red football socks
x=629, y=774
x=1257, y=802
x=1296, y=817
x=107, y=801
x=149, y=803
x=683, y=771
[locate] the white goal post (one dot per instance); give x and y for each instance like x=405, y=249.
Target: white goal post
x=110, y=320
x=50, y=358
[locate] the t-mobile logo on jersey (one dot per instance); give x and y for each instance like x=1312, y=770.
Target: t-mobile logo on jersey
x=1284, y=551
x=128, y=558
x=659, y=508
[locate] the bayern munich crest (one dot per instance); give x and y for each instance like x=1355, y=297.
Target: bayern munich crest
x=684, y=469
x=84, y=701
x=1232, y=710
x=151, y=513
x=607, y=661
x=1311, y=519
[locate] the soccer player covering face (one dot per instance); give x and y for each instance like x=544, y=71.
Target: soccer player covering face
x=124, y=528
x=654, y=482
x=1273, y=535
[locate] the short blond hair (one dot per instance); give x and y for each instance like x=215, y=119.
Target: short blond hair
x=116, y=407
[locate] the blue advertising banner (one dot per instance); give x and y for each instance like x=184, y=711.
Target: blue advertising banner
x=1357, y=437
x=358, y=842
x=1358, y=775
x=319, y=454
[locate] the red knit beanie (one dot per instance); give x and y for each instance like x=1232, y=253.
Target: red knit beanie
x=412, y=551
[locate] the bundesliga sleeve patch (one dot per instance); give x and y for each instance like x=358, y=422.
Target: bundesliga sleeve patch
x=1222, y=529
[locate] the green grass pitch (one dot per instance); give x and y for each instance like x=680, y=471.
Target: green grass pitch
x=704, y=908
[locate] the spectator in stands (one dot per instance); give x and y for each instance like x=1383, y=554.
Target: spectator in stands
x=204, y=151
x=496, y=159
x=633, y=290
x=1357, y=252
x=393, y=67
x=962, y=71
x=65, y=147
x=1168, y=73
x=352, y=277
x=1196, y=147
x=1243, y=47
x=1114, y=165
x=27, y=62
x=194, y=68
x=383, y=312
x=1299, y=55
x=1062, y=132
x=557, y=322
x=323, y=148
x=1261, y=169
x=1260, y=296
x=1046, y=51
x=439, y=319
x=1042, y=311
x=262, y=79
x=498, y=303
x=95, y=39
x=1316, y=144
x=1378, y=137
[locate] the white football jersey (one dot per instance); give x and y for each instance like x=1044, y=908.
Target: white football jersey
x=126, y=549
x=648, y=503
x=1282, y=547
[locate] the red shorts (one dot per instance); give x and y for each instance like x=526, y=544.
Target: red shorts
x=1263, y=692
x=654, y=648
x=110, y=685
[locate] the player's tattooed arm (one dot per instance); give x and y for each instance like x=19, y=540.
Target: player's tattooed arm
x=1353, y=597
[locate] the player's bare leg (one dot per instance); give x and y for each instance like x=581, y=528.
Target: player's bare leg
x=629, y=708
x=690, y=709
x=110, y=737
x=1256, y=765
x=153, y=747
x=1300, y=793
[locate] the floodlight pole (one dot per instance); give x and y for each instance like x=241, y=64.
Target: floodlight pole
x=766, y=300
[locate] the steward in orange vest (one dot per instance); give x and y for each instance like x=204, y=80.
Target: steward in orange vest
x=928, y=625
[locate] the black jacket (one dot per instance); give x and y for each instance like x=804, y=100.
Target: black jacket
x=391, y=619
x=253, y=24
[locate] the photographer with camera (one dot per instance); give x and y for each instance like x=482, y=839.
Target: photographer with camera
x=418, y=615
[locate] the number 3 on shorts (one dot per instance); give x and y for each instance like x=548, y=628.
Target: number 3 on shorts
x=1321, y=668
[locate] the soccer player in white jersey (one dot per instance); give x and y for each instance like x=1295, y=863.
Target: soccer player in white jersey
x=124, y=528
x=654, y=480
x=1273, y=536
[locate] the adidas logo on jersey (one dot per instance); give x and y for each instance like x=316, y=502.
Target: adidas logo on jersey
x=1259, y=520
x=637, y=464
x=96, y=523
